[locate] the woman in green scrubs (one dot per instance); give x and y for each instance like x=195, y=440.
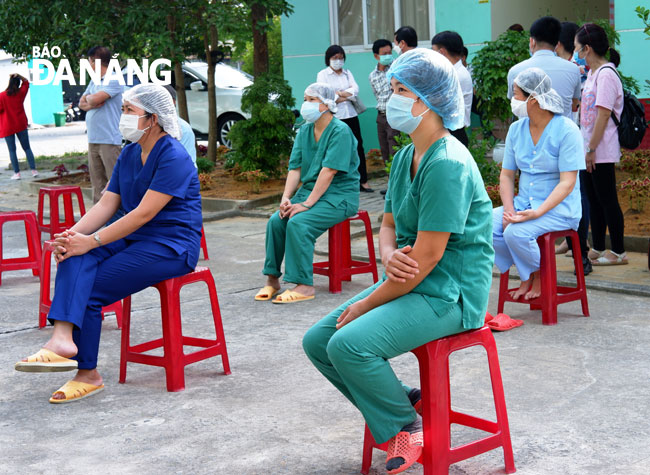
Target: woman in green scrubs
x=436, y=246
x=325, y=161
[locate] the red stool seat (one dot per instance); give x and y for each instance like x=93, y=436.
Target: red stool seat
x=56, y=225
x=437, y=414
x=552, y=294
x=175, y=359
x=45, y=301
x=204, y=245
x=33, y=260
x=340, y=266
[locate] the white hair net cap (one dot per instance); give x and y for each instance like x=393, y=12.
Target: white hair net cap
x=156, y=99
x=325, y=93
x=431, y=77
x=537, y=83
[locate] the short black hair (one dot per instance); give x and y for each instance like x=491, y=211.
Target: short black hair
x=102, y=53
x=465, y=51
x=450, y=40
x=379, y=44
x=408, y=35
x=546, y=30
x=331, y=51
x=516, y=27
x=567, y=35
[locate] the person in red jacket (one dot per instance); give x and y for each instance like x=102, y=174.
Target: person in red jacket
x=13, y=122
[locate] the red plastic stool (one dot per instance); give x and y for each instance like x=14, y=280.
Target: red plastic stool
x=175, y=359
x=437, y=414
x=45, y=302
x=33, y=260
x=340, y=265
x=552, y=294
x=56, y=225
x=204, y=245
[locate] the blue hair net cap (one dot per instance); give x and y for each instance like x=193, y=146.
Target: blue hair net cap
x=431, y=77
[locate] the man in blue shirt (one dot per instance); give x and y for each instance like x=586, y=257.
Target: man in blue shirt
x=103, y=105
x=565, y=76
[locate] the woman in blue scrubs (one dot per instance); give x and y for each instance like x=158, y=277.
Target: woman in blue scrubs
x=156, y=183
x=547, y=149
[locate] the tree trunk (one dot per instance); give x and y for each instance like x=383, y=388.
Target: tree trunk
x=211, y=46
x=260, y=43
x=181, y=98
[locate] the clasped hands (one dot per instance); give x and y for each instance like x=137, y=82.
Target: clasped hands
x=399, y=267
x=288, y=210
x=519, y=216
x=71, y=243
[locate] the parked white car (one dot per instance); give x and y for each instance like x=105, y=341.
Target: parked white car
x=229, y=83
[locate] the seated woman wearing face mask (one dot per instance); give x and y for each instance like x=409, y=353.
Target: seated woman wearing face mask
x=156, y=183
x=547, y=149
x=325, y=161
x=435, y=244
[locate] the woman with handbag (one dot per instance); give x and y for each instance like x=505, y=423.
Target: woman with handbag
x=602, y=96
x=349, y=104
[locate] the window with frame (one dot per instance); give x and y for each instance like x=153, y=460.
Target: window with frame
x=361, y=22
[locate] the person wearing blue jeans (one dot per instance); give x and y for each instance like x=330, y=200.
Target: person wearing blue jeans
x=23, y=138
x=13, y=121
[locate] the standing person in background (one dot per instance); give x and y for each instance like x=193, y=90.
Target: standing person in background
x=406, y=39
x=13, y=122
x=188, y=139
x=382, y=50
x=565, y=76
x=347, y=90
x=450, y=45
x=103, y=105
x=564, y=50
x=602, y=95
x=463, y=58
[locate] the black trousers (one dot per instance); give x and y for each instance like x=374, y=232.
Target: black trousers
x=605, y=212
x=461, y=135
x=583, y=227
x=353, y=123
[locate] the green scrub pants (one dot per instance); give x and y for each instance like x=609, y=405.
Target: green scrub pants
x=355, y=358
x=297, y=236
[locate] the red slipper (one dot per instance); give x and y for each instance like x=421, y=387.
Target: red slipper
x=503, y=322
x=407, y=446
x=488, y=317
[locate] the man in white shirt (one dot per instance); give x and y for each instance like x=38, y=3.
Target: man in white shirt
x=565, y=76
x=450, y=45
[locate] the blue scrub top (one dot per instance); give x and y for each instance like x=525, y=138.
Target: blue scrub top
x=559, y=149
x=168, y=170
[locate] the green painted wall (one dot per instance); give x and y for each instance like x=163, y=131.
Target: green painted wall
x=634, y=46
x=45, y=100
x=470, y=19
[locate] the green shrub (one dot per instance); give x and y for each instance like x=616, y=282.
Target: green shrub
x=204, y=165
x=479, y=147
x=490, y=69
x=261, y=142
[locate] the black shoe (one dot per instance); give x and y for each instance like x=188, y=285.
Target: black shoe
x=383, y=192
x=586, y=266
x=365, y=190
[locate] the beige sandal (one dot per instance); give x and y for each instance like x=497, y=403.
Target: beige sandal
x=606, y=260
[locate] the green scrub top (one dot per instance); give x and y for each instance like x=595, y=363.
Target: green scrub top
x=336, y=149
x=447, y=194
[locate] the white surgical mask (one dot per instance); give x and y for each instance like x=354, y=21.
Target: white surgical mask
x=337, y=64
x=310, y=111
x=129, y=127
x=399, y=116
x=519, y=108
x=397, y=50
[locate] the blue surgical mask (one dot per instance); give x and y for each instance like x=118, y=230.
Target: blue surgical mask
x=399, y=116
x=386, y=59
x=578, y=60
x=310, y=111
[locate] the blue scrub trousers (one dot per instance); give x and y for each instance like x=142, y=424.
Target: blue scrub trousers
x=355, y=358
x=86, y=283
x=518, y=243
